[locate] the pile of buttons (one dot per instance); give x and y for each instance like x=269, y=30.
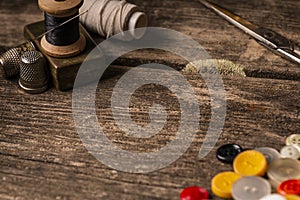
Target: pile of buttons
x=259, y=174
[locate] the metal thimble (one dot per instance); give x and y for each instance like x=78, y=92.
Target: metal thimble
x=11, y=59
x=33, y=72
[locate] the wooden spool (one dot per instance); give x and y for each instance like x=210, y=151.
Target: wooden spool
x=62, y=8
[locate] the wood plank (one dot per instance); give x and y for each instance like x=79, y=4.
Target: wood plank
x=44, y=158
x=222, y=40
x=14, y=16
x=219, y=38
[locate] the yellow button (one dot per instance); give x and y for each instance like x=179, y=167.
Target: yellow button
x=221, y=184
x=250, y=163
x=292, y=197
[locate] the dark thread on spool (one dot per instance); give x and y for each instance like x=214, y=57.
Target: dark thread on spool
x=64, y=35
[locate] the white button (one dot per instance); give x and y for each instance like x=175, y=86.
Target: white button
x=270, y=153
x=250, y=187
x=283, y=169
x=274, y=183
x=273, y=197
x=290, y=151
x=293, y=140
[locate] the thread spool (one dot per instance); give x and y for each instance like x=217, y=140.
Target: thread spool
x=110, y=17
x=67, y=40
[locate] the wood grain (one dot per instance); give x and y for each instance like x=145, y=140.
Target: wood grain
x=222, y=40
x=43, y=157
x=14, y=16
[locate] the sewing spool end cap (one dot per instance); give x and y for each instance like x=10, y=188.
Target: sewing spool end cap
x=137, y=20
x=60, y=8
x=64, y=51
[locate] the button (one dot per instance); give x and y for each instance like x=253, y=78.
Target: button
x=250, y=187
x=226, y=153
x=194, y=193
x=289, y=187
x=269, y=153
x=221, y=184
x=283, y=169
x=290, y=151
x=273, y=197
x=294, y=140
x=274, y=183
x=292, y=197
x=250, y=163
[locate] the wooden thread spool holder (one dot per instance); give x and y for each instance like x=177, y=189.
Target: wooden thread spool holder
x=59, y=9
x=63, y=61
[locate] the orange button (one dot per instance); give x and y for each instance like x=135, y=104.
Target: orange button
x=291, y=186
x=250, y=163
x=221, y=184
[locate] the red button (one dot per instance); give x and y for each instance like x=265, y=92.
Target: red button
x=289, y=187
x=194, y=193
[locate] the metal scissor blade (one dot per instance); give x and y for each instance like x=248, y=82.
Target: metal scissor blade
x=239, y=22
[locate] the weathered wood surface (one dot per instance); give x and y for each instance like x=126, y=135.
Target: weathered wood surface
x=42, y=156
x=223, y=40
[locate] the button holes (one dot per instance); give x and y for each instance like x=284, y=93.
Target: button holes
x=249, y=163
x=250, y=189
x=226, y=183
x=247, y=188
x=292, y=187
x=288, y=170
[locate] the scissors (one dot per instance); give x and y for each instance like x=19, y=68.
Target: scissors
x=270, y=39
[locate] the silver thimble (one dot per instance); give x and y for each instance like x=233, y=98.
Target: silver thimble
x=11, y=59
x=33, y=72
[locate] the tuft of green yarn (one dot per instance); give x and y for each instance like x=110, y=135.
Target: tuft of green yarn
x=213, y=66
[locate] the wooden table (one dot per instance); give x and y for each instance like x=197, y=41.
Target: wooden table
x=42, y=156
